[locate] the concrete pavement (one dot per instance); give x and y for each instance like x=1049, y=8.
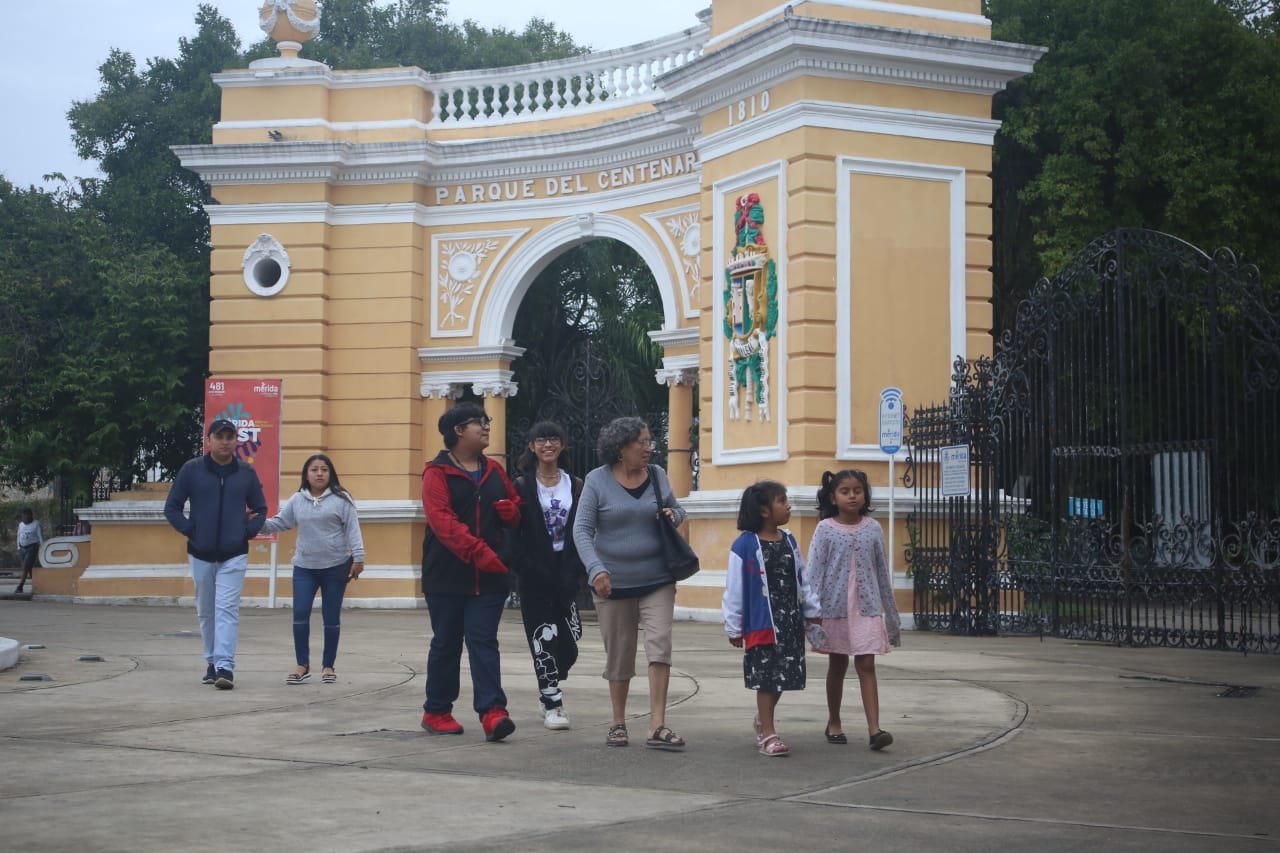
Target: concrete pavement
x=1000, y=742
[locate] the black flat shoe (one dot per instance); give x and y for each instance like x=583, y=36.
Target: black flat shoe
x=880, y=740
x=836, y=738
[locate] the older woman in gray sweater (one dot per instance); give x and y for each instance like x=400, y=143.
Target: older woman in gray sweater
x=616, y=534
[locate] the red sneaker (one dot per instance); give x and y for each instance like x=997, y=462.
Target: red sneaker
x=497, y=724
x=441, y=724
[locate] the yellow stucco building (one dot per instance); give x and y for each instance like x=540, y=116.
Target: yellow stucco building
x=809, y=183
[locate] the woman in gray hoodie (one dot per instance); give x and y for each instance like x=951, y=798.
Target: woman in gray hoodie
x=328, y=554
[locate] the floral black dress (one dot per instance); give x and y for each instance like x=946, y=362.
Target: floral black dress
x=781, y=666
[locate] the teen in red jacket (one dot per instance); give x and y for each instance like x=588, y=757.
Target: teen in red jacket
x=468, y=500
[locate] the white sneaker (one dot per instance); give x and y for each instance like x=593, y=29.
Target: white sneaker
x=556, y=719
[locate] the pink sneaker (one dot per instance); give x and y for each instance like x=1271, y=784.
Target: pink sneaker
x=441, y=724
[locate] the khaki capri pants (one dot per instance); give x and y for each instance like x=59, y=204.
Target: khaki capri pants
x=621, y=620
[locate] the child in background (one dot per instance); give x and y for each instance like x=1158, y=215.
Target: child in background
x=850, y=572
x=766, y=603
x=30, y=540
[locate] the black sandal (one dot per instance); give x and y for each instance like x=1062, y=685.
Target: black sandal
x=664, y=738
x=836, y=738
x=617, y=735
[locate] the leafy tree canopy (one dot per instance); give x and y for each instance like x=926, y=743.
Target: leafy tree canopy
x=88, y=325
x=369, y=34
x=1160, y=114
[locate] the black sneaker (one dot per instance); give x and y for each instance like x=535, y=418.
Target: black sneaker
x=225, y=680
x=210, y=675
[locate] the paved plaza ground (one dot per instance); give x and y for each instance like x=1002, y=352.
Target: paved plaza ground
x=1001, y=743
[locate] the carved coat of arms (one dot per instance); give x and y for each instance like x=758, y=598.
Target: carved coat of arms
x=750, y=311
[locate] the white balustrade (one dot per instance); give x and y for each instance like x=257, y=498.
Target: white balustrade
x=565, y=87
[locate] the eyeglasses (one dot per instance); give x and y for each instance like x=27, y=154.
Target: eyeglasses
x=546, y=442
x=646, y=443
x=484, y=422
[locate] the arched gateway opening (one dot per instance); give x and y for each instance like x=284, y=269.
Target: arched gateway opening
x=588, y=357
x=808, y=185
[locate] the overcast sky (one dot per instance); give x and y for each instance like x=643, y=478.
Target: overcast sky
x=50, y=51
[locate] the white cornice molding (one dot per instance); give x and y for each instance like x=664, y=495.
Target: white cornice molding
x=912, y=124
x=309, y=123
x=808, y=46
x=604, y=147
x=321, y=75
x=863, y=5
x=484, y=382
x=505, y=353
x=672, y=338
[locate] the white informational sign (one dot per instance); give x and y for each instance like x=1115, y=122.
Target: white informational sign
x=955, y=471
x=891, y=443
x=891, y=420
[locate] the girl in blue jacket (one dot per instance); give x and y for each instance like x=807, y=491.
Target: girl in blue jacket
x=767, y=602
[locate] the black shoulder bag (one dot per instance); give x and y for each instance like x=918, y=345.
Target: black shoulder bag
x=680, y=558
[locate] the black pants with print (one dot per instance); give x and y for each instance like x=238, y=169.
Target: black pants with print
x=552, y=628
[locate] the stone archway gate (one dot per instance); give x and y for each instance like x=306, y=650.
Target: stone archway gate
x=799, y=178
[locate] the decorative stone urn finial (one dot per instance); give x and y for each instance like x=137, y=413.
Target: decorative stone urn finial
x=290, y=23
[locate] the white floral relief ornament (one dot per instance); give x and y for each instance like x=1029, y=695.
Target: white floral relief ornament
x=684, y=229
x=460, y=266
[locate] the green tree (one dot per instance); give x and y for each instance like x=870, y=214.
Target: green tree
x=131, y=124
x=1160, y=114
x=88, y=328
x=154, y=210
x=368, y=34
x=601, y=291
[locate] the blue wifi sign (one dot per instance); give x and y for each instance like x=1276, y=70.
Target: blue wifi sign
x=891, y=420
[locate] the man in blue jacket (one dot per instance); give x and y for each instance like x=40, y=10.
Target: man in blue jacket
x=218, y=531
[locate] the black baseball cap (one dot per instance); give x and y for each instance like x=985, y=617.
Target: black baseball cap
x=220, y=425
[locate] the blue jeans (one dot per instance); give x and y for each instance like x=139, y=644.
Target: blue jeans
x=332, y=584
x=218, y=588
x=456, y=619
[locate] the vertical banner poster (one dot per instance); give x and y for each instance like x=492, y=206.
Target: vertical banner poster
x=253, y=405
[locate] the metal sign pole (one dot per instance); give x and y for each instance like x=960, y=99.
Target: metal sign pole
x=271, y=584
x=893, y=555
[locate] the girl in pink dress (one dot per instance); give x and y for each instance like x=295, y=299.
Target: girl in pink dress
x=849, y=572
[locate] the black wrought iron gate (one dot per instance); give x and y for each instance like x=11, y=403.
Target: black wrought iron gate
x=1124, y=476
x=582, y=402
